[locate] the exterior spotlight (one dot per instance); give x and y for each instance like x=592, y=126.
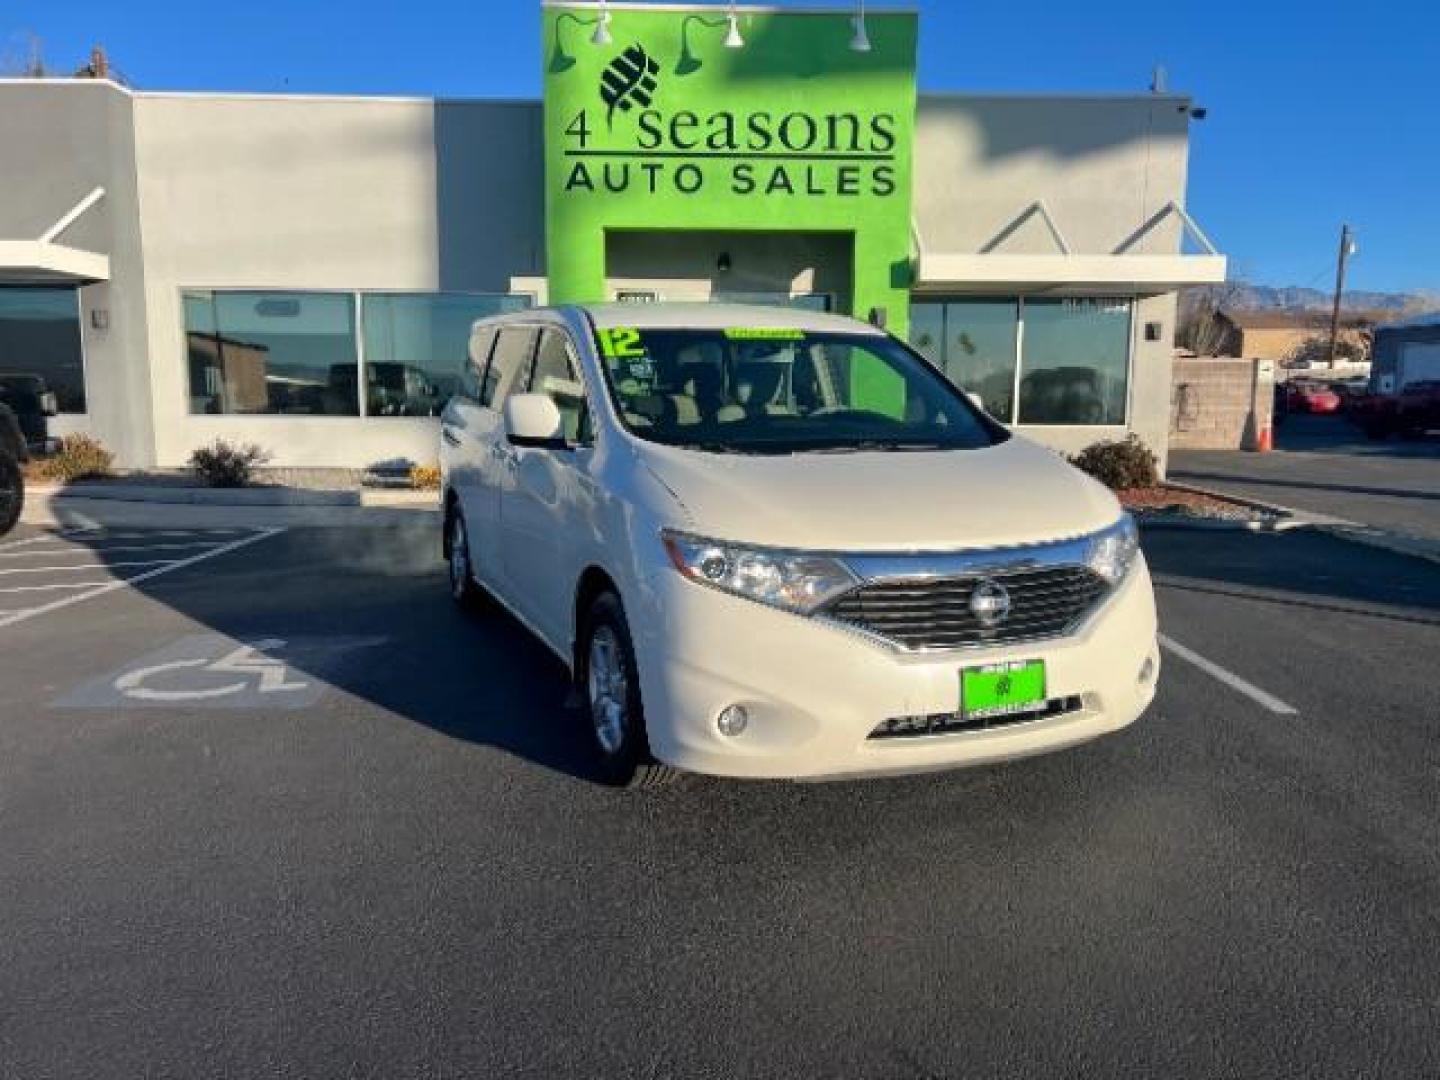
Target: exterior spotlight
x=602, y=30
x=733, y=40
x=860, y=40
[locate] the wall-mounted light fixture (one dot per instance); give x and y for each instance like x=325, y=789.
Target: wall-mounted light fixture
x=602, y=25
x=689, y=63
x=860, y=40
x=733, y=40
x=560, y=59
x=99, y=319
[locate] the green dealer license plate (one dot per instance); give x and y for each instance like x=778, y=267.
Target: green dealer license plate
x=1002, y=689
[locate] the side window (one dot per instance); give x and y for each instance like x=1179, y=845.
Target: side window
x=479, y=356
x=508, y=364
x=557, y=375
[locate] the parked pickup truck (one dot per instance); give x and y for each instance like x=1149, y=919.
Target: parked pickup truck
x=1411, y=411
x=13, y=452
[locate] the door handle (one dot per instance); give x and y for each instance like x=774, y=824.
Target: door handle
x=450, y=437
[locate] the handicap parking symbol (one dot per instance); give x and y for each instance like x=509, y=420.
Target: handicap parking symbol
x=214, y=671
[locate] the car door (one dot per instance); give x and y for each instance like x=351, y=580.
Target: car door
x=507, y=373
x=544, y=498
x=461, y=421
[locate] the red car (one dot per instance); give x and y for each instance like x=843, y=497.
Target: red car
x=1310, y=397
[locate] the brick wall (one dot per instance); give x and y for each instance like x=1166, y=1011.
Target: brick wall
x=1219, y=403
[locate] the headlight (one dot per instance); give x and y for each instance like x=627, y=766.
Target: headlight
x=1112, y=551
x=792, y=580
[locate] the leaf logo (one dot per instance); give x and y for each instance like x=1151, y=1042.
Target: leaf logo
x=627, y=81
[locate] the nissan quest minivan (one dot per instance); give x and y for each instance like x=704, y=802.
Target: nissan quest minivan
x=774, y=543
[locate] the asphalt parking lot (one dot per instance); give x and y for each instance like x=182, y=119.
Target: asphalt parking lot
x=283, y=810
x=1325, y=465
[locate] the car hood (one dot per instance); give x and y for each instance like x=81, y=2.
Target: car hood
x=1016, y=492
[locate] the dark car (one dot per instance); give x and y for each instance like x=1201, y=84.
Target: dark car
x=13, y=453
x=1411, y=412
x=32, y=402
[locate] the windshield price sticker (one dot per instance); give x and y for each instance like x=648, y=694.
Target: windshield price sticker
x=764, y=334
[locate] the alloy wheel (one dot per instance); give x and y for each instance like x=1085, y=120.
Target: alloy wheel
x=609, y=690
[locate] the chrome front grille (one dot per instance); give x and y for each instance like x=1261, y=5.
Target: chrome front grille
x=935, y=613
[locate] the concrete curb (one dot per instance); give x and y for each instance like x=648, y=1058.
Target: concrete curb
x=194, y=496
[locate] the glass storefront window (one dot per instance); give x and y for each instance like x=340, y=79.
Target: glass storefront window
x=272, y=352
x=1074, y=363
x=980, y=351
x=416, y=346
x=1076, y=360
x=40, y=349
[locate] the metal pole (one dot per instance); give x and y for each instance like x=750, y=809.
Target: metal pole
x=1339, y=291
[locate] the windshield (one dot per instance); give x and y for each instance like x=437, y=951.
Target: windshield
x=784, y=391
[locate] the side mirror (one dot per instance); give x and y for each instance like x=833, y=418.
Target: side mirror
x=534, y=420
x=976, y=400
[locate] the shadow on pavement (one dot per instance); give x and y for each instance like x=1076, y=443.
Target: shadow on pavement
x=1300, y=568
x=474, y=675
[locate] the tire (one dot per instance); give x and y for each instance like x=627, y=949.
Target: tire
x=463, y=589
x=12, y=492
x=612, y=706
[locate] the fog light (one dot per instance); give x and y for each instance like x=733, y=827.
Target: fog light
x=1147, y=670
x=733, y=720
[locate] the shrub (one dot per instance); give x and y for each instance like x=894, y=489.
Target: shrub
x=425, y=477
x=1119, y=465
x=79, y=457
x=224, y=465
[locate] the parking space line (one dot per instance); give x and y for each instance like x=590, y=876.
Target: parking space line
x=29, y=553
x=43, y=588
x=82, y=566
x=120, y=583
x=1224, y=675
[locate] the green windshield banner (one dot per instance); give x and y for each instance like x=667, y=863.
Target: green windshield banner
x=788, y=129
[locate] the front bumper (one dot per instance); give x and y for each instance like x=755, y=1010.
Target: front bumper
x=815, y=691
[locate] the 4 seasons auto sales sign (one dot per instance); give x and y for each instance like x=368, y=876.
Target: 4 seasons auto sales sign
x=665, y=128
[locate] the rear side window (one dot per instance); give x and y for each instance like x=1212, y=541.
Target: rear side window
x=557, y=376
x=480, y=345
x=509, y=363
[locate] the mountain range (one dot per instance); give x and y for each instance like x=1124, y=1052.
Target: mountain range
x=1246, y=297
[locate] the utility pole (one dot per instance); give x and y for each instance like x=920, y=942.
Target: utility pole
x=1347, y=248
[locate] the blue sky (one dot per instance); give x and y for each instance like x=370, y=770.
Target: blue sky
x=1320, y=112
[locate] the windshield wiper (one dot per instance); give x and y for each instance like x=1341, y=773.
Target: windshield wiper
x=865, y=446
x=731, y=448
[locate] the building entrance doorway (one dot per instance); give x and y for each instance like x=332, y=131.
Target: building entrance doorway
x=810, y=270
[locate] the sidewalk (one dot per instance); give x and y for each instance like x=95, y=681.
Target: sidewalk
x=52, y=507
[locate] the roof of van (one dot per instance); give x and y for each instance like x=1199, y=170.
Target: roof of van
x=722, y=316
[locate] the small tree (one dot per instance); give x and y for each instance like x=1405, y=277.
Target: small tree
x=1200, y=327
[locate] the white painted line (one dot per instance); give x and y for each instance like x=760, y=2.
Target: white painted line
x=1229, y=678
x=234, y=545
x=83, y=566
x=22, y=543
x=76, y=549
x=42, y=588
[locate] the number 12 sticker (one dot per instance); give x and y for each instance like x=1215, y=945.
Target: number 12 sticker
x=621, y=343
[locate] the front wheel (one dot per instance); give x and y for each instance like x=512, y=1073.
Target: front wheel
x=12, y=492
x=462, y=571
x=611, y=686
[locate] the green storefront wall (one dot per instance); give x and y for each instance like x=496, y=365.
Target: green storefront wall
x=665, y=128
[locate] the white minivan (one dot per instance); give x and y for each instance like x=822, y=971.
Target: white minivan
x=775, y=543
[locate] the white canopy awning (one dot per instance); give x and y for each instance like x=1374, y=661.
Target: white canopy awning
x=42, y=261
x=35, y=262
x=1095, y=274
x=992, y=271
